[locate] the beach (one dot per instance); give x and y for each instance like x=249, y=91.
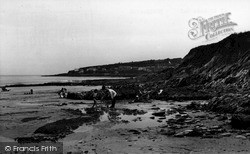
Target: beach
x=130, y=128
x=124, y=77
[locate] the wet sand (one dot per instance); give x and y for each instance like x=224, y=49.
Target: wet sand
x=119, y=132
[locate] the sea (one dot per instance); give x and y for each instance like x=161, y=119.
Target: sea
x=38, y=79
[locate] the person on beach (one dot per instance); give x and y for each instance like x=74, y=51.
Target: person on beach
x=109, y=93
x=95, y=97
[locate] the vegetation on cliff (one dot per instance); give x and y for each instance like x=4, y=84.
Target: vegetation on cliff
x=129, y=69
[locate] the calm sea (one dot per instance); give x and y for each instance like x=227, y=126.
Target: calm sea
x=36, y=79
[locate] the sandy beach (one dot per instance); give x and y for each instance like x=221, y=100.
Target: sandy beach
x=124, y=130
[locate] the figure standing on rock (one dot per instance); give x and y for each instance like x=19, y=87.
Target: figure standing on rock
x=109, y=93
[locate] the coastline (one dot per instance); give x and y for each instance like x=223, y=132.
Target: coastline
x=92, y=75
x=80, y=83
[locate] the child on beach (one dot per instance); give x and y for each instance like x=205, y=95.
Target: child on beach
x=95, y=97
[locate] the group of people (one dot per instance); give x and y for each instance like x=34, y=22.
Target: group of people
x=106, y=93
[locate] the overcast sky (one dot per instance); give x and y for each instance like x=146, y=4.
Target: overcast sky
x=54, y=36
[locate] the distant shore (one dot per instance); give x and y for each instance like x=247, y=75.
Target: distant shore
x=91, y=75
x=79, y=83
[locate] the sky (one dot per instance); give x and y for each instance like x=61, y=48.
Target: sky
x=40, y=37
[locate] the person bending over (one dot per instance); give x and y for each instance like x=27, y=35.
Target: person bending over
x=111, y=94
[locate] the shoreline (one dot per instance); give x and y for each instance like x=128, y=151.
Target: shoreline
x=80, y=83
x=92, y=75
x=131, y=127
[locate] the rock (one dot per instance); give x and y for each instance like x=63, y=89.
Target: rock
x=171, y=111
x=191, y=121
x=214, y=130
x=226, y=134
x=180, y=120
x=222, y=118
x=194, y=106
x=125, y=121
x=215, y=127
x=159, y=114
x=181, y=134
x=134, y=131
x=80, y=141
x=240, y=137
x=133, y=111
x=167, y=132
x=184, y=133
x=76, y=96
x=152, y=117
x=240, y=121
x=155, y=108
x=201, y=116
x=196, y=132
x=203, y=128
x=247, y=134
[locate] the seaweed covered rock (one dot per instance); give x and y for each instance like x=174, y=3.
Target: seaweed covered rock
x=76, y=96
x=194, y=106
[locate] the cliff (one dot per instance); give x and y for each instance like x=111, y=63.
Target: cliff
x=207, y=71
x=220, y=64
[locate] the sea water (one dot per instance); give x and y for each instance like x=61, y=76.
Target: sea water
x=38, y=79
